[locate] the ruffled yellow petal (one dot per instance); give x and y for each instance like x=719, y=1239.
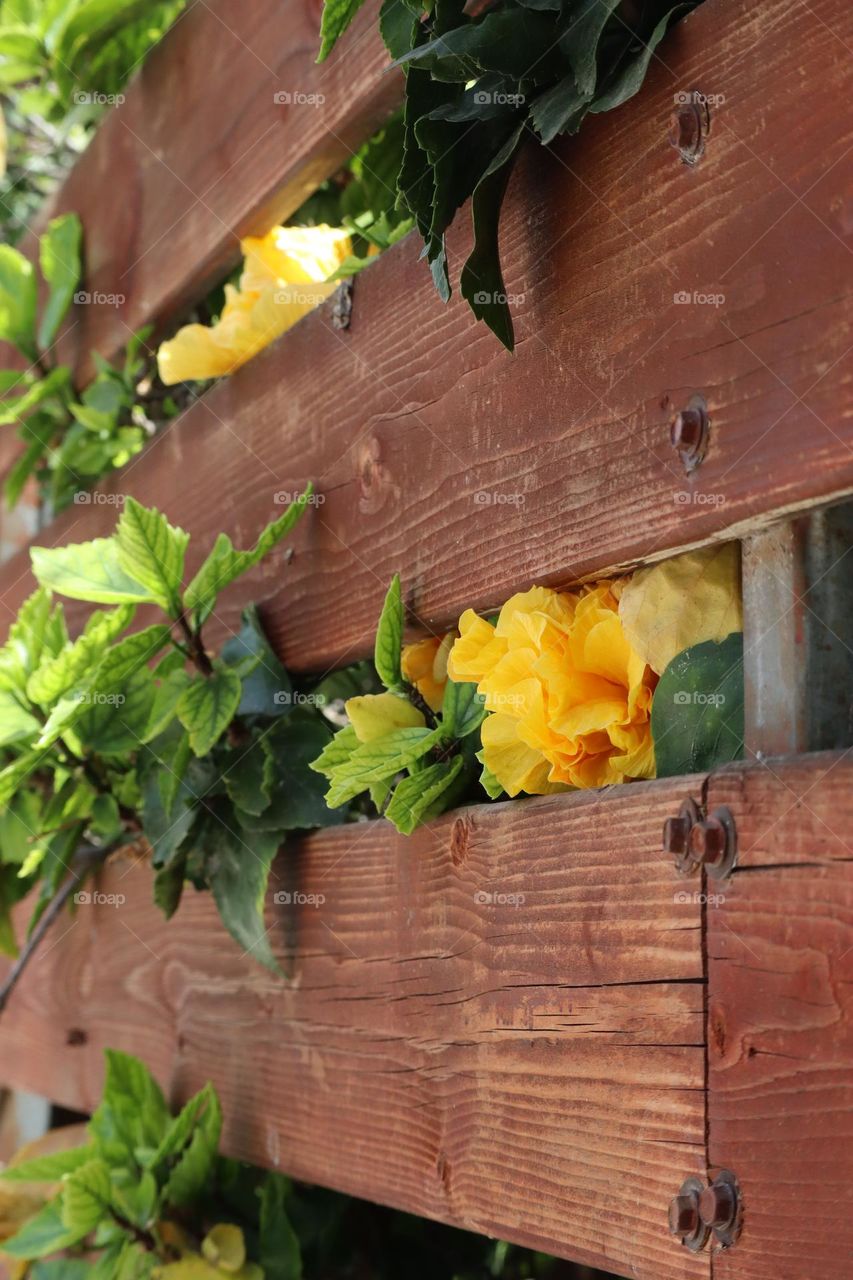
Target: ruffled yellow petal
x=424, y=664
x=477, y=649
x=516, y=766
x=373, y=715
x=293, y=255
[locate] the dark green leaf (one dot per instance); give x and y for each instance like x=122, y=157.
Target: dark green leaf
x=389, y=637
x=697, y=710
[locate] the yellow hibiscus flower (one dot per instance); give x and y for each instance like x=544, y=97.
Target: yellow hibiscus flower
x=569, y=699
x=424, y=665
x=285, y=275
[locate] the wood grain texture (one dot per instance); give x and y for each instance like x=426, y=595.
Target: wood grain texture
x=780, y=1033
x=475, y=473
x=202, y=152
x=528, y=1068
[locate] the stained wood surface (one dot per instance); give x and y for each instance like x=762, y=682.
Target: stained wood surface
x=202, y=151
x=531, y=1069
x=475, y=473
x=780, y=1033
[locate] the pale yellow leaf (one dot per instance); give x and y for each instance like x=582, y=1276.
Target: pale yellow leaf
x=682, y=602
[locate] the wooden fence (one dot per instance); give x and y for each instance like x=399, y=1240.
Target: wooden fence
x=548, y=1070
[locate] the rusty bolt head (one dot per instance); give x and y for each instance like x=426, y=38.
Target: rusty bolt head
x=708, y=841
x=684, y=1214
x=718, y=1205
x=676, y=833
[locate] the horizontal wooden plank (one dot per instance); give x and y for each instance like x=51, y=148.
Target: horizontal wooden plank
x=497, y=1023
x=780, y=1034
x=225, y=130
x=475, y=473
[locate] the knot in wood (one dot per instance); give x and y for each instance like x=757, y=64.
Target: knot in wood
x=460, y=834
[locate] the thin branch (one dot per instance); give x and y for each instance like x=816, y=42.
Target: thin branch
x=198, y=653
x=87, y=859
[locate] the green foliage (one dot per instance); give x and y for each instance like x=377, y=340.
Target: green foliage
x=70, y=441
x=697, y=711
x=124, y=736
x=413, y=763
x=476, y=86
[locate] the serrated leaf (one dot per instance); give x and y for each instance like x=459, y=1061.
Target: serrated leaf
x=389, y=638
x=376, y=761
x=267, y=687
x=86, y=1196
x=337, y=16
x=48, y=1168
x=132, y=1112
x=697, y=709
x=90, y=571
x=43, y=1234
x=190, y=1176
x=207, y=706
x=297, y=800
x=59, y=256
x=77, y=663
x=151, y=552
x=239, y=873
x=16, y=723
x=422, y=796
x=248, y=776
x=280, y=1254
x=224, y=564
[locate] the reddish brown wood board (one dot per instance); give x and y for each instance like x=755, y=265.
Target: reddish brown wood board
x=475, y=473
x=780, y=1034
x=497, y=1023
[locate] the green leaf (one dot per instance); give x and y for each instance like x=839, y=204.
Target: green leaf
x=59, y=255
x=481, y=282
x=49, y=1168
x=86, y=1196
x=17, y=301
x=207, y=706
x=697, y=709
x=90, y=571
x=20, y=824
x=249, y=776
x=132, y=1112
x=378, y=760
x=493, y=789
x=151, y=552
x=180, y=1132
x=239, y=874
x=224, y=563
x=389, y=638
x=297, y=800
x=280, y=1256
x=631, y=71
x=190, y=1177
x=87, y=29
x=15, y=773
x=116, y=723
x=267, y=687
x=423, y=795
x=16, y=723
x=17, y=408
x=169, y=887
x=463, y=709
x=76, y=663
x=43, y=1234
x=337, y=16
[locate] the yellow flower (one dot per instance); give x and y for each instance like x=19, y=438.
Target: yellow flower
x=285, y=275
x=569, y=699
x=424, y=665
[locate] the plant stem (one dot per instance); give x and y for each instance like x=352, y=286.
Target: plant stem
x=87, y=859
x=198, y=653
x=418, y=700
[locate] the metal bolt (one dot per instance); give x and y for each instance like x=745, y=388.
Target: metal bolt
x=718, y=1205
x=676, y=833
x=684, y=1214
x=708, y=840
